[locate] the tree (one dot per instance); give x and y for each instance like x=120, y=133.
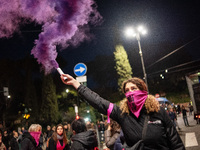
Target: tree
x=49, y=106
x=122, y=66
x=30, y=97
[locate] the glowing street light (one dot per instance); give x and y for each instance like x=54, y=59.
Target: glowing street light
x=67, y=90
x=130, y=32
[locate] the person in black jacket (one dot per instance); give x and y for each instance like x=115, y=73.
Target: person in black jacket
x=30, y=139
x=184, y=112
x=82, y=139
x=137, y=109
x=172, y=116
x=6, y=138
x=13, y=142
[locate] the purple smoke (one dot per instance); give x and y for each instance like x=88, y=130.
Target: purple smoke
x=54, y=64
x=63, y=23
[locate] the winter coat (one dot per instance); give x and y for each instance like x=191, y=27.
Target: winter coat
x=28, y=142
x=160, y=134
x=113, y=142
x=184, y=112
x=14, y=144
x=6, y=140
x=52, y=145
x=172, y=115
x=84, y=141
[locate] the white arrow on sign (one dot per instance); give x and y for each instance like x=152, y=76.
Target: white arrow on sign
x=81, y=69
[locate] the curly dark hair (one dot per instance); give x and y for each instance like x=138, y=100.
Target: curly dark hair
x=139, y=83
x=114, y=126
x=151, y=104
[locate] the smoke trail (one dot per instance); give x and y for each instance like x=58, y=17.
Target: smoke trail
x=63, y=23
x=9, y=19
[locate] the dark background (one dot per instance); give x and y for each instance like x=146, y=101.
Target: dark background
x=173, y=26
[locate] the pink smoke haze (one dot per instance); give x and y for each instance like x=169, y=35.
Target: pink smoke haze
x=64, y=23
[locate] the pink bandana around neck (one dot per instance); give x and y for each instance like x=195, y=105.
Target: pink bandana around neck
x=136, y=100
x=36, y=136
x=59, y=147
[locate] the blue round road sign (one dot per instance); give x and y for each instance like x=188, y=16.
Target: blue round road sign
x=80, y=69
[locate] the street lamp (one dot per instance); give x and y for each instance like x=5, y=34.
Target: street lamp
x=130, y=32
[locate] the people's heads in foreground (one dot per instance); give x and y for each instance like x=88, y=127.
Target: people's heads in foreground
x=78, y=126
x=15, y=134
x=59, y=129
x=35, y=128
x=65, y=125
x=59, y=133
x=48, y=128
x=53, y=128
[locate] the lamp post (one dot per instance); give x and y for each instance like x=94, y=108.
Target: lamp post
x=132, y=33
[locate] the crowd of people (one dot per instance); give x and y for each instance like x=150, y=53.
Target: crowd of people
x=65, y=136
x=175, y=110
x=138, y=123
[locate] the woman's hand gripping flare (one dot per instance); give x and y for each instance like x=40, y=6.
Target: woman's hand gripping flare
x=70, y=81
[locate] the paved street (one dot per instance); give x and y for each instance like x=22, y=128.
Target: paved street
x=190, y=135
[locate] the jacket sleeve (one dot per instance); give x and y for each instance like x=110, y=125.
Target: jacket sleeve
x=172, y=134
x=110, y=140
x=94, y=99
x=99, y=103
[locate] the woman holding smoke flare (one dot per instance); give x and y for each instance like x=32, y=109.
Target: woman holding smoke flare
x=144, y=123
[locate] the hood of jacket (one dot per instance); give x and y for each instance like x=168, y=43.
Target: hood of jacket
x=28, y=136
x=88, y=139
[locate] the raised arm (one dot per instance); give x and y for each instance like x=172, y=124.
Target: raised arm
x=91, y=97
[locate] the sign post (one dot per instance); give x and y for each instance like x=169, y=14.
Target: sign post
x=80, y=70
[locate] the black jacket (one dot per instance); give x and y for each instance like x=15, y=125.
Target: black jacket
x=52, y=145
x=14, y=144
x=28, y=142
x=161, y=133
x=84, y=141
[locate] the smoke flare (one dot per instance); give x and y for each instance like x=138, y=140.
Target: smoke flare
x=62, y=23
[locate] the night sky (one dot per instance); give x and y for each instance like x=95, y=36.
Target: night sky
x=170, y=24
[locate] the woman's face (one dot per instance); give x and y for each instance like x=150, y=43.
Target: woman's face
x=130, y=87
x=59, y=130
x=39, y=129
